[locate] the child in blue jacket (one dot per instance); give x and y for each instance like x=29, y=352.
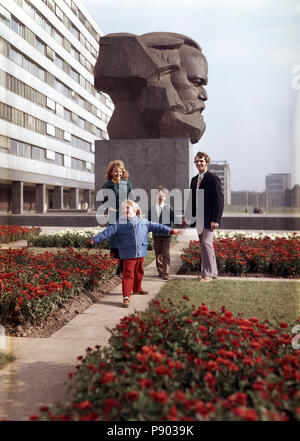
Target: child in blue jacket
x=131, y=231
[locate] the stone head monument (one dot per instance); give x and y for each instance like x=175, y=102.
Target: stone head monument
x=156, y=82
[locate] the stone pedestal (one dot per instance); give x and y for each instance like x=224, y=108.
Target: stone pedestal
x=150, y=162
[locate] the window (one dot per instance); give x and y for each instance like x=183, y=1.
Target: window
x=15, y=56
x=59, y=13
x=74, y=30
x=58, y=61
x=67, y=115
x=17, y=27
x=81, y=122
x=57, y=36
x=4, y=48
x=4, y=142
x=17, y=117
x=80, y=143
x=77, y=164
x=20, y=148
x=74, y=74
x=59, y=159
x=29, y=122
x=40, y=46
x=38, y=153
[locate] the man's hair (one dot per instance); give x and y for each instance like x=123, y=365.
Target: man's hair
x=117, y=163
x=162, y=189
x=204, y=155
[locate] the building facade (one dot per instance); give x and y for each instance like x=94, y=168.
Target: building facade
x=222, y=170
x=50, y=113
x=276, y=184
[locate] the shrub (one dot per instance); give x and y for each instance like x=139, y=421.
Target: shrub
x=11, y=233
x=279, y=256
x=32, y=286
x=180, y=363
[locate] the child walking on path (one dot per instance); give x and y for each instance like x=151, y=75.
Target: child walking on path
x=131, y=231
x=162, y=213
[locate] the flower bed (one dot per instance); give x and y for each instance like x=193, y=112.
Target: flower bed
x=73, y=238
x=240, y=254
x=65, y=239
x=10, y=233
x=33, y=286
x=180, y=363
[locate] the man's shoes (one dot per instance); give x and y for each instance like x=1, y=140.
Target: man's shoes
x=215, y=277
x=126, y=302
x=160, y=275
x=142, y=291
x=166, y=277
x=206, y=279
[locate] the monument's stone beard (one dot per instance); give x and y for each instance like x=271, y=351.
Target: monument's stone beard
x=156, y=84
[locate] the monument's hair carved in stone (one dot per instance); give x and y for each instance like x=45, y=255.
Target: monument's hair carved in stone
x=156, y=82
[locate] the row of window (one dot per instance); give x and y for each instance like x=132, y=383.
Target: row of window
x=25, y=150
x=18, y=87
x=59, y=13
x=32, y=39
x=45, y=24
x=81, y=17
x=27, y=121
x=22, y=60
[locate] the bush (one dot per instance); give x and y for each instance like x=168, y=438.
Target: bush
x=180, y=363
x=33, y=286
x=279, y=256
x=11, y=233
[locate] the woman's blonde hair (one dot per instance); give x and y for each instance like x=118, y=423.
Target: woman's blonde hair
x=134, y=205
x=117, y=163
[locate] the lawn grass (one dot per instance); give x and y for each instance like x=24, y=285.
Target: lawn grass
x=274, y=301
x=5, y=359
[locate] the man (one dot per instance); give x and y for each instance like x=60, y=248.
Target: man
x=156, y=82
x=213, y=210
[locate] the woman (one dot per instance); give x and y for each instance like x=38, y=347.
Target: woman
x=116, y=176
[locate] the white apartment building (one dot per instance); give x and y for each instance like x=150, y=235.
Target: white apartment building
x=50, y=113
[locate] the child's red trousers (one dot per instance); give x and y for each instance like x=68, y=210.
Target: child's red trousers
x=132, y=276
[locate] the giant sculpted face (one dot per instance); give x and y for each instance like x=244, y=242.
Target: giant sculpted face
x=156, y=82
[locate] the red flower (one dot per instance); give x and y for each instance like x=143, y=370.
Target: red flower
x=85, y=405
x=160, y=396
x=108, y=377
x=210, y=379
x=133, y=395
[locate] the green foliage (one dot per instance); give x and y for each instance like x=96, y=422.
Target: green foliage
x=184, y=363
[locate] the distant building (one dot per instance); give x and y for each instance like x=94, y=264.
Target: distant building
x=276, y=184
x=50, y=113
x=252, y=198
x=292, y=197
x=222, y=170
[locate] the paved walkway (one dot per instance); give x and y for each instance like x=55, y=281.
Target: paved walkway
x=40, y=371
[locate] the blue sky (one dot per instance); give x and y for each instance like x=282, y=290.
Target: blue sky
x=251, y=47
